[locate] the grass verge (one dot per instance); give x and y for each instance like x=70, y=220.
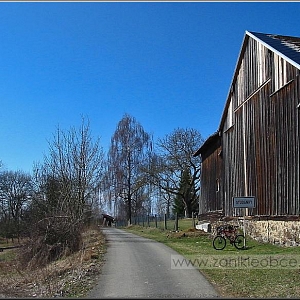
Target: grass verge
x=262, y=270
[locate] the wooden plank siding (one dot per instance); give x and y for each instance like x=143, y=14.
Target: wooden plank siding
x=286, y=148
x=247, y=146
x=259, y=138
x=211, y=193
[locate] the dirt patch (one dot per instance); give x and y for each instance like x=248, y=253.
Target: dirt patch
x=191, y=232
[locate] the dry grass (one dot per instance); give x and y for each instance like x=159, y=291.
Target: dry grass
x=72, y=276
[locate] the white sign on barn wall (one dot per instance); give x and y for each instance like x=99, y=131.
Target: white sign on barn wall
x=244, y=202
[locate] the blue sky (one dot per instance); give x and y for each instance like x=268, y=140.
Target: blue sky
x=167, y=64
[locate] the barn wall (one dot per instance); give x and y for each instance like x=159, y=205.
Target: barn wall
x=210, y=199
x=253, y=71
x=285, y=134
x=260, y=137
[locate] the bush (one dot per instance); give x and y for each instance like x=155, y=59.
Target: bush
x=50, y=240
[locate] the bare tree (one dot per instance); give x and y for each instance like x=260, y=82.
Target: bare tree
x=66, y=188
x=129, y=149
x=15, y=195
x=72, y=171
x=174, y=155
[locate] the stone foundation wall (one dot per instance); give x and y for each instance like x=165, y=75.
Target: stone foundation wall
x=284, y=233
x=279, y=232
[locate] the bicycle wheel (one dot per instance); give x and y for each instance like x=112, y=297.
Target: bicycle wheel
x=219, y=242
x=239, y=241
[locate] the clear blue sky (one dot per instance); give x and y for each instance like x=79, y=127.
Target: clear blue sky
x=168, y=64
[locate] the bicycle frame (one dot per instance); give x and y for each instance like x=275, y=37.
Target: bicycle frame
x=228, y=232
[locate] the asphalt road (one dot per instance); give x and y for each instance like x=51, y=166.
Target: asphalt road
x=136, y=267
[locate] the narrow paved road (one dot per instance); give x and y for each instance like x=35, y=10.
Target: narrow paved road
x=136, y=267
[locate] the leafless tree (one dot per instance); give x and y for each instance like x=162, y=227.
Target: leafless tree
x=174, y=154
x=72, y=171
x=67, y=184
x=15, y=195
x=129, y=150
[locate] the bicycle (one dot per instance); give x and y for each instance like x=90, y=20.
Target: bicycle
x=228, y=232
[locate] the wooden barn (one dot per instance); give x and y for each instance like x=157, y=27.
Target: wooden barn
x=255, y=151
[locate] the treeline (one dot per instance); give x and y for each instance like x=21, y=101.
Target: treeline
x=76, y=179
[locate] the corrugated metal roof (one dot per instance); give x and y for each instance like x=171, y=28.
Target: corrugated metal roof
x=287, y=47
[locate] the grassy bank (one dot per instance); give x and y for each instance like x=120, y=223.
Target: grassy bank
x=236, y=273
x=69, y=277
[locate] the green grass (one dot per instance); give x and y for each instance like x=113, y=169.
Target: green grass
x=183, y=224
x=7, y=255
x=238, y=281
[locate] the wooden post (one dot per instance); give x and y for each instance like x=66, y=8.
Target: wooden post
x=155, y=221
x=193, y=220
x=165, y=221
x=244, y=225
x=176, y=222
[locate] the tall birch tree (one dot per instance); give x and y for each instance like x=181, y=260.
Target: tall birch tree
x=129, y=150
